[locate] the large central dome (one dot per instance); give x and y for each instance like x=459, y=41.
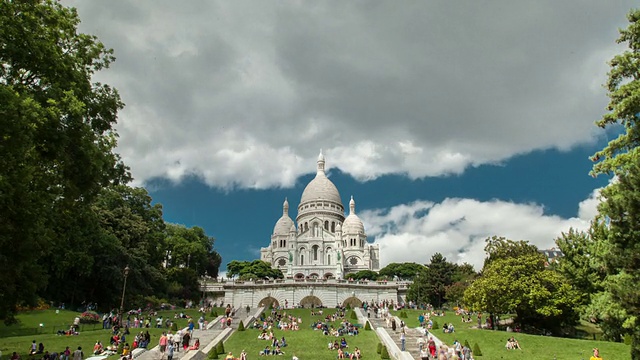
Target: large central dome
x=321, y=188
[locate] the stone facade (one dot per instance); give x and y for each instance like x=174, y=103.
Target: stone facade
x=322, y=243
x=301, y=293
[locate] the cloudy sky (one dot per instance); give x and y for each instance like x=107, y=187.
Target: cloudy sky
x=447, y=121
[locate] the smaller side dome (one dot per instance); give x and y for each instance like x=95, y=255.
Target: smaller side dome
x=284, y=224
x=353, y=224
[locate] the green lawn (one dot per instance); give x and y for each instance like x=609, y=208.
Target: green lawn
x=19, y=337
x=492, y=343
x=305, y=343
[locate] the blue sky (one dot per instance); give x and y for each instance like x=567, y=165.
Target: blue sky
x=447, y=122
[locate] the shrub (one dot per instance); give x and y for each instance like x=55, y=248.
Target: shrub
x=348, y=306
x=435, y=325
x=213, y=354
x=214, y=313
x=379, y=348
x=353, y=315
x=627, y=339
x=220, y=348
x=241, y=326
x=403, y=314
x=89, y=317
x=174, y=327
x=385, y=353
x=466, y=343
x=476, y=350
x=367, y=326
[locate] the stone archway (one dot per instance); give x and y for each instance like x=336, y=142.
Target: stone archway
x=314, y=276
x=352, y=302
x=269, y=302
x=329, y=276
x=311, y=301
x=299, y=276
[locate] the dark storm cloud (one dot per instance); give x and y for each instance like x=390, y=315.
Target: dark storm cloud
x=244, y=93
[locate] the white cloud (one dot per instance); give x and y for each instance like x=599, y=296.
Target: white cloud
x=457, y=228
x=241, y=93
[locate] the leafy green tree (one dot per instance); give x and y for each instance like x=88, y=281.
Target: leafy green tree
x=540, y=297
x=498, y=247
x=401, y=270
x=619, y=209
x=256, y=269
x=56, y=127
x=364, y=275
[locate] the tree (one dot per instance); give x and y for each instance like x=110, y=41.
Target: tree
x=498, y=247
x=439, y=275
x=540, y=297
x=256, y=269
x=56, y=127
x=364, y=275
x=578, y=264
x=620, y=207
x=401, y=270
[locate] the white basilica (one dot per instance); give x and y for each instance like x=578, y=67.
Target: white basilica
x=324, y=244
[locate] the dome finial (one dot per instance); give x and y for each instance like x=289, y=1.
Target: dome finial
x=320, y=162
x=285, y=207
x=352, y=206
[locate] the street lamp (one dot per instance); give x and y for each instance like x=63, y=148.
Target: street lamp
x=124, y=288
x=415, y=281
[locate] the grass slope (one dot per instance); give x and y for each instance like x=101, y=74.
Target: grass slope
x=492, y=343
x=18, y=337
x=305, y=343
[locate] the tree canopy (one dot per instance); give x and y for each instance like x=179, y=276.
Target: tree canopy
x=69, y=224
x=517, y=281
x=619, y=211
x=256, y=269
x=56, y=127
x=406, y=270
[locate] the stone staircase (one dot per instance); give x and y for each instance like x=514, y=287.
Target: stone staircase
x=411, y=335
x=206, y=336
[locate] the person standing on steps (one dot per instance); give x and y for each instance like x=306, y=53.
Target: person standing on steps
x=403, y=339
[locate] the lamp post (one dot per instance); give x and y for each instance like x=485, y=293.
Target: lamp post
x=415, y=281
x=124, y=288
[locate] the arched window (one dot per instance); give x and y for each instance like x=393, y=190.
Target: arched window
x=333, y=226
x=306, y=226
x=326, y=225
x=328, y=259
x=284, y=243
x=315, y=252
x=301, y=259
x=316, y=231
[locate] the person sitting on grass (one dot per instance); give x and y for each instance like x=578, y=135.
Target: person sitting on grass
x=266, y=351
x=277, y=351
x=355, y=354
x=98, y=348
x=596, y=355
x=343, y=343
x=512, y=344
x=229, y=356
x=340, y=354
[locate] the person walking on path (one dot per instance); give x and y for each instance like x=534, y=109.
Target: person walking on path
x=162, y=342
x=403, y=339
x=170, y=348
